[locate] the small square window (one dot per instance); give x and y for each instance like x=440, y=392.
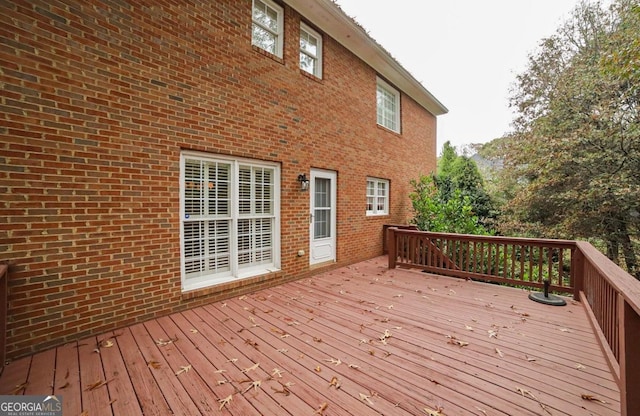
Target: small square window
x=388, y=104
x=377, y=196
x=267, y=27
x=310, y=51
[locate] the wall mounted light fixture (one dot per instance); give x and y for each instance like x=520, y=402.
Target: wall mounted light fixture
x=304, y=182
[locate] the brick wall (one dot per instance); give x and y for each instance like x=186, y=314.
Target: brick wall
x=97, y=101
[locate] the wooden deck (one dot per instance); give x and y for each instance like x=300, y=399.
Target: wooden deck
x=360, y=340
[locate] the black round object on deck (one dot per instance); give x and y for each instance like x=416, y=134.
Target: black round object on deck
x=547, y=300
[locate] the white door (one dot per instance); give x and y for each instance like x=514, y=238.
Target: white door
x=323, y=216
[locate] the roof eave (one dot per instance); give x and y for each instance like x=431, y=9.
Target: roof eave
x=329, y=18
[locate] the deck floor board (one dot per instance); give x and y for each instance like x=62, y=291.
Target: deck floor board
x=276, y=352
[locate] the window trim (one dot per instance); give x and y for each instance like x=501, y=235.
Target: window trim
x=279, y=35
x=313, y=33
x=236, y=272
x=374, y=212
x=386, y=87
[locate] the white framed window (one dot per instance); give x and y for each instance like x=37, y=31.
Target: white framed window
x=377, y=196
x=267, y=27
x=388, y=104
x=230, y=219
x=310, y=51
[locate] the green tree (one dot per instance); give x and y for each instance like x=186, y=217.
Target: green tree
x=435, y=212
x=575, y=153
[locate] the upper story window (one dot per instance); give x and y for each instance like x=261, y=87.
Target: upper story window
x=377, y=196
x=267, y=28
x=310, y=51
x=388, y=102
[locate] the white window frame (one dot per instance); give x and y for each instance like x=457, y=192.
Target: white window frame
x=386, y=117
x=318, y=56
x=376, y=197
x=278, y=34
x=206, y=278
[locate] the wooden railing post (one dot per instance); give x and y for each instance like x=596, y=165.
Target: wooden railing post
x=629, y=322
x=391, y=246
x=577, y=272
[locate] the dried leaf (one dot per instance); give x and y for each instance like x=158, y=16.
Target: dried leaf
x=105, y=344
x=353, y=366
x=318, y=369
x=334, y=382
x=193, y=331
x=365, y=398
x=492, y=334
x=565, y=330
x=253, y=367
x=530, y=359
x=254, y=385
x=528, y=393
x=468, y=328
x=97, y=384
x=482, y=411
x=225, y=401
x=277, y=372
x=315, y=339
x=153, y=364
x=454, y=341
x=321, y=409
x=283, y=350
x=592, y=398
x=183, y=369
x=580, y=367
x=19, y=387
x=334, y=361
x=499, y=353
x=434, y=412
x=65, y=385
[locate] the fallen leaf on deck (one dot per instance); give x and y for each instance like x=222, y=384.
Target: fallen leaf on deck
x=153, y=364
x=432, y=412
x=580, y=367
x=19, y=387
x=225, y=401
x=315, y=339
x=97, y=384
x=105, y=344
x=65, y=385
x=193, y=331
x=334, y=361
x=224, y=305
x=492, y=334
x=253, y=367
x=284, y=390
x=283, y=350
x=365, y=398
x=243, y=297
x=499, y=353
x=251, y=342
x=233, y=360
x=591, y=398
x=277, y=372
x=390, y=307
x=334, y=382
x=468, y=328
x=162, y=342
x=254, y=385
x=454, y=341
x=530, y=358
x=528, y=393
x=353, y=366
x=221, y=382
x=321, y=409
x=318, y=369
x=480, y=410
x=220, y=371
x=183, y=369
x=452, y=291
x=565, y=330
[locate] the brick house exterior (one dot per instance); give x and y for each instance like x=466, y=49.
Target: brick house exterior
x=121, y=119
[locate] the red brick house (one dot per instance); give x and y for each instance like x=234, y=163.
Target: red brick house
x=161, y=155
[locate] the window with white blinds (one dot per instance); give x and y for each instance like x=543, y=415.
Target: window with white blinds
x=229, y=221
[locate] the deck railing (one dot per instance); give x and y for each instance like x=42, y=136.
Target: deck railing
x=610, y=296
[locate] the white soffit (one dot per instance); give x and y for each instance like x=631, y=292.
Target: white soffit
x=329, y=18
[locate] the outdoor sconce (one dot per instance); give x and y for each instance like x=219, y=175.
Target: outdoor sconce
x=304, y=182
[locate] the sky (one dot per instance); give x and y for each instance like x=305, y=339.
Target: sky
x=467, y=53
